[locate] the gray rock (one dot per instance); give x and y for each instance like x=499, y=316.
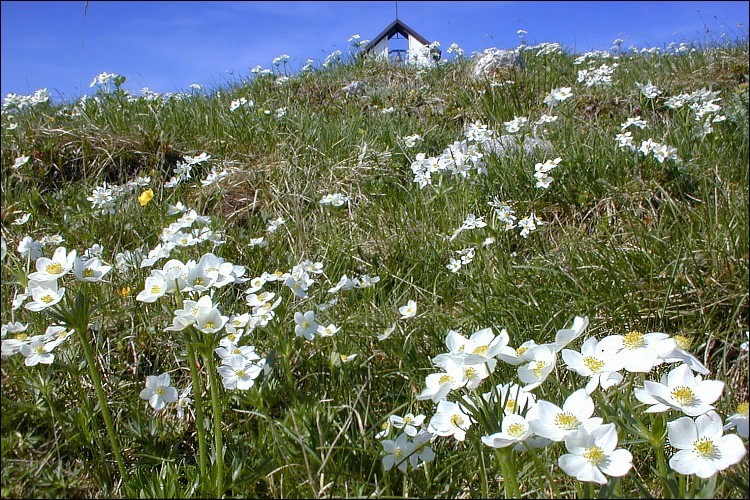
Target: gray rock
x=493, y=59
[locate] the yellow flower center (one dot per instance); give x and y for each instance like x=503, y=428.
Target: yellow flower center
x=510, y=405
x=208, y=324
x=446, y=379
x=160, y=391
x=124, y=291
x=594, y=455
x=706, y=448
x=521, y=350
x=54, y=268
x=305, y=324
x=199, y=281
x=461, y=348
x=457, y=420
x=88, y=273
x=566, y=420
x=231, y=337
x=683, y=342
x=538, y=367
x=39, y=349
x=47, y=298
x=408, y=420
x=385, y=425
x=593, y=363
x=240, y=373
x=516, y=430
x=471, y=373
x=482, y=350
x=742, y=409
x=398, y=453
x=155, y=289
x=21, y=336
x=236, y=350
x=683, y=395
x=634, y=340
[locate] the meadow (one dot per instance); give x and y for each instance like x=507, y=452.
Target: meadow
x=367, y=279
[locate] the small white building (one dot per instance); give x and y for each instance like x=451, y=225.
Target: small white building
x=419, y=52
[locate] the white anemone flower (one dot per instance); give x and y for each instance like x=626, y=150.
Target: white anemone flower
x=91, y=270
x=641, y=352
x=593, y=454
x=306, y=325
x=409, y=310
x=515, y=429
x=158, y=392
x=59, y=265
x=552, y=422
x=600, y=365
x=703, y=449
x=44, y=298
x=397, y=452
x=538, y=368
x=237, y=372
x=685, y=392
x=440, y=384
x=739, y=420
x=450, y=419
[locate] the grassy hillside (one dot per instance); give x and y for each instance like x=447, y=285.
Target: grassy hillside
x=626, y=212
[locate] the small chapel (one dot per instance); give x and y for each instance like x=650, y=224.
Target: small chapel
x=400, y=43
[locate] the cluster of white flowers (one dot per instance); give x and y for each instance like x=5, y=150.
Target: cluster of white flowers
x=626, y=141
x=455, y=50
x=260, y=71
x=465, y=257
x=184, y=169
x=15, y=101
x=599, y=77
x=105, y=79
x=648, y=90
x=35, y=349
x=704, y=105
x=411, y=140
x=357, y=41
x=335, y=199
x=242, y=102
x=506, y=215
x=516, y=124
x=458, y=158
x=542, y=170
x=544, y=48
x=282, y=59
x=410, y=447
x=332, y=59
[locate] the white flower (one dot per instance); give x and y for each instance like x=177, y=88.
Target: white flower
x=739, y=420
x=306, y=325
x=44, y=298
x=515, y=429
x=59, y=265
x=397, y=452
x=39, y=350
x=440, y=384
x=23, y=219
x=600, y=365
x=237, y=372
x=344, y=284
x=541, y=362
x=91, y=270
x=158, y=392
x=29, y=248
x=640, y=352
x=648, y=90
x=685, y=392
x=409, y=310
x=388, y=331
x=703, y=449
x=593, y=454
x=327, y=331
x=20, y=161
x=558, y=95
x=555, y=423
x=450, y=419
x=408, y=422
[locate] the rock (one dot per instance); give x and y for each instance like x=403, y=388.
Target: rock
x=492, y=60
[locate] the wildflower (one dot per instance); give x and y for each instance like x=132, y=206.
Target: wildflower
x=636, y=122
x=640, y=352
x=600, y=365
x=336, y=199
x=411, y=140
x=366, y=280
x=514, y=429
x=59, y=265
x=20, y=161
x=422, y=452
x=397, y=452
x=237, y=372
x=625, y=141
x=593, y=454
x=529, y=223
x=388, y=331
x=39, y=350
x=648, y=90
x=29, y=248
x=684, y=392
x=145, y=197
x=558, y=95
x=552, y=422
x=183, y=402
x=739, y=420
x=680, y=354
x=440, y=384
x=450, y=419
x=409, y=310
x=541, y=362
x=273, y=225
x=703, y=449
x=158, y=392
x=91, y=270
x=306, y=325
x=408, y=422
x=154, y=287
x=23, y=219
x=327, y=331
x=44, y=297
x=515, y=124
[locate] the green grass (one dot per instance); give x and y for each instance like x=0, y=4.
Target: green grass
x=631, y=243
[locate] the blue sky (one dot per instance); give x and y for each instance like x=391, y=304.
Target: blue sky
x=166, y=46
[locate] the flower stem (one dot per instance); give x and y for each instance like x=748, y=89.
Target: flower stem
x=218, y=445
x=197, y=390
x=508, y=469
x=102, y=399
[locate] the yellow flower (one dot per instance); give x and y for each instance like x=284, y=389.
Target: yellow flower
x=124, y=291
x=145, y=197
